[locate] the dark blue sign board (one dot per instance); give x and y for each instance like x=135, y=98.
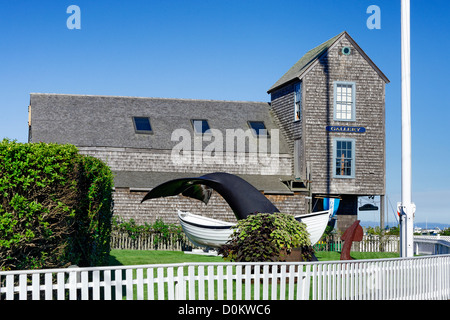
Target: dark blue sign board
x=346, y=129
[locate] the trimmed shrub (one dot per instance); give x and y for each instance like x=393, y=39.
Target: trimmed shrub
x=55, y=207
x=264, y=237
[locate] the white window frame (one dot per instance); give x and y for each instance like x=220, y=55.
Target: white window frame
x=352, y=104
x=352, y=159
x=298, y=101
x=297, y=151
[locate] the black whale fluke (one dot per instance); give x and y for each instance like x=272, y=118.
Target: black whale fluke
x=243, y=198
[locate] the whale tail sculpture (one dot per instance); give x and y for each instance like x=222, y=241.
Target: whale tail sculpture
x=243, y=198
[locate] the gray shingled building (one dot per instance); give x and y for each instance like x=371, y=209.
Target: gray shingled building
x=325, y=135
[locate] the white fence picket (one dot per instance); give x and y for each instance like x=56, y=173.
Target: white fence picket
x=22, y=287
x=265, y=277
x=107, y=284
x=118, y=284
x=191, y=279
x=84, y=285
x=220, y=282
x=96, y=285
x=257, y=281
x=150, y=284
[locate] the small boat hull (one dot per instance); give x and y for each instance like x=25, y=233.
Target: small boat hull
x=316, y=223
x=212, y=233
x=205, y=232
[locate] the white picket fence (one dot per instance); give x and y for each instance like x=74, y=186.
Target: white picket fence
x=373, y=243
x=150, y=241
x=410, y=278
x=370, y=243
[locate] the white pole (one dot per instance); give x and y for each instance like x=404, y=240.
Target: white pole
x=407, y=208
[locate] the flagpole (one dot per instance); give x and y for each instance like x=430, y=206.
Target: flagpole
x=407, y=207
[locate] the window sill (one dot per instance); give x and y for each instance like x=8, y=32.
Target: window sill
x=348, y=120
x=343, y=177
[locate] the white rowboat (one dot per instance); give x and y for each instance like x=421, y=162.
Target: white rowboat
x=205, y=232
x=316, y=223
x=212, y=233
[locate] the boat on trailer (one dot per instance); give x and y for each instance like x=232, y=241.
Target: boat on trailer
x=213, y=233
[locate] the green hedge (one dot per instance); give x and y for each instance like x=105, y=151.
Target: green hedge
x=55, y=207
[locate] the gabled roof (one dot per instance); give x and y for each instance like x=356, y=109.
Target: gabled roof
x=303, y=65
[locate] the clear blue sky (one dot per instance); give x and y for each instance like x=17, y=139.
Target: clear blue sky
x=230, y=50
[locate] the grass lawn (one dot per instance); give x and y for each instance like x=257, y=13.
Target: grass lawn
x=139, y=257
x=330, y=256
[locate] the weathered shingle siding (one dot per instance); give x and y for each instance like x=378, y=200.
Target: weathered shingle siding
x=370, y=113
x=151, y=160
x=282, y=102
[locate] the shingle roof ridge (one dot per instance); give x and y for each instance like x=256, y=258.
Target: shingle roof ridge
x=149, y=98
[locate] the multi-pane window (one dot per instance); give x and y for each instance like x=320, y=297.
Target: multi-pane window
x=201, y=126
x=344, y=158
x=344, y=101
x=297, y=101
x=142, y=125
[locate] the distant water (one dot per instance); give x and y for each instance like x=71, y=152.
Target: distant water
x=423, y=225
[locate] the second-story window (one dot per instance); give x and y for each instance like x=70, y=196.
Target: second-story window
x=344, y=101
x=298, y=101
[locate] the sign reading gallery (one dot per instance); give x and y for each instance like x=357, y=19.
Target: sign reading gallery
x=346, y=129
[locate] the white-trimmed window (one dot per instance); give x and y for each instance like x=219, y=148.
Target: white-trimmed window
x=298, y=101
x=344, y=158
x=344, y=101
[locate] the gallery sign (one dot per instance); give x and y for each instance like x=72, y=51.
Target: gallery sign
x=346, y=129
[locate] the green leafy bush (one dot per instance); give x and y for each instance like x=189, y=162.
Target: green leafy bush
x=263, y=237
x=55, y=207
